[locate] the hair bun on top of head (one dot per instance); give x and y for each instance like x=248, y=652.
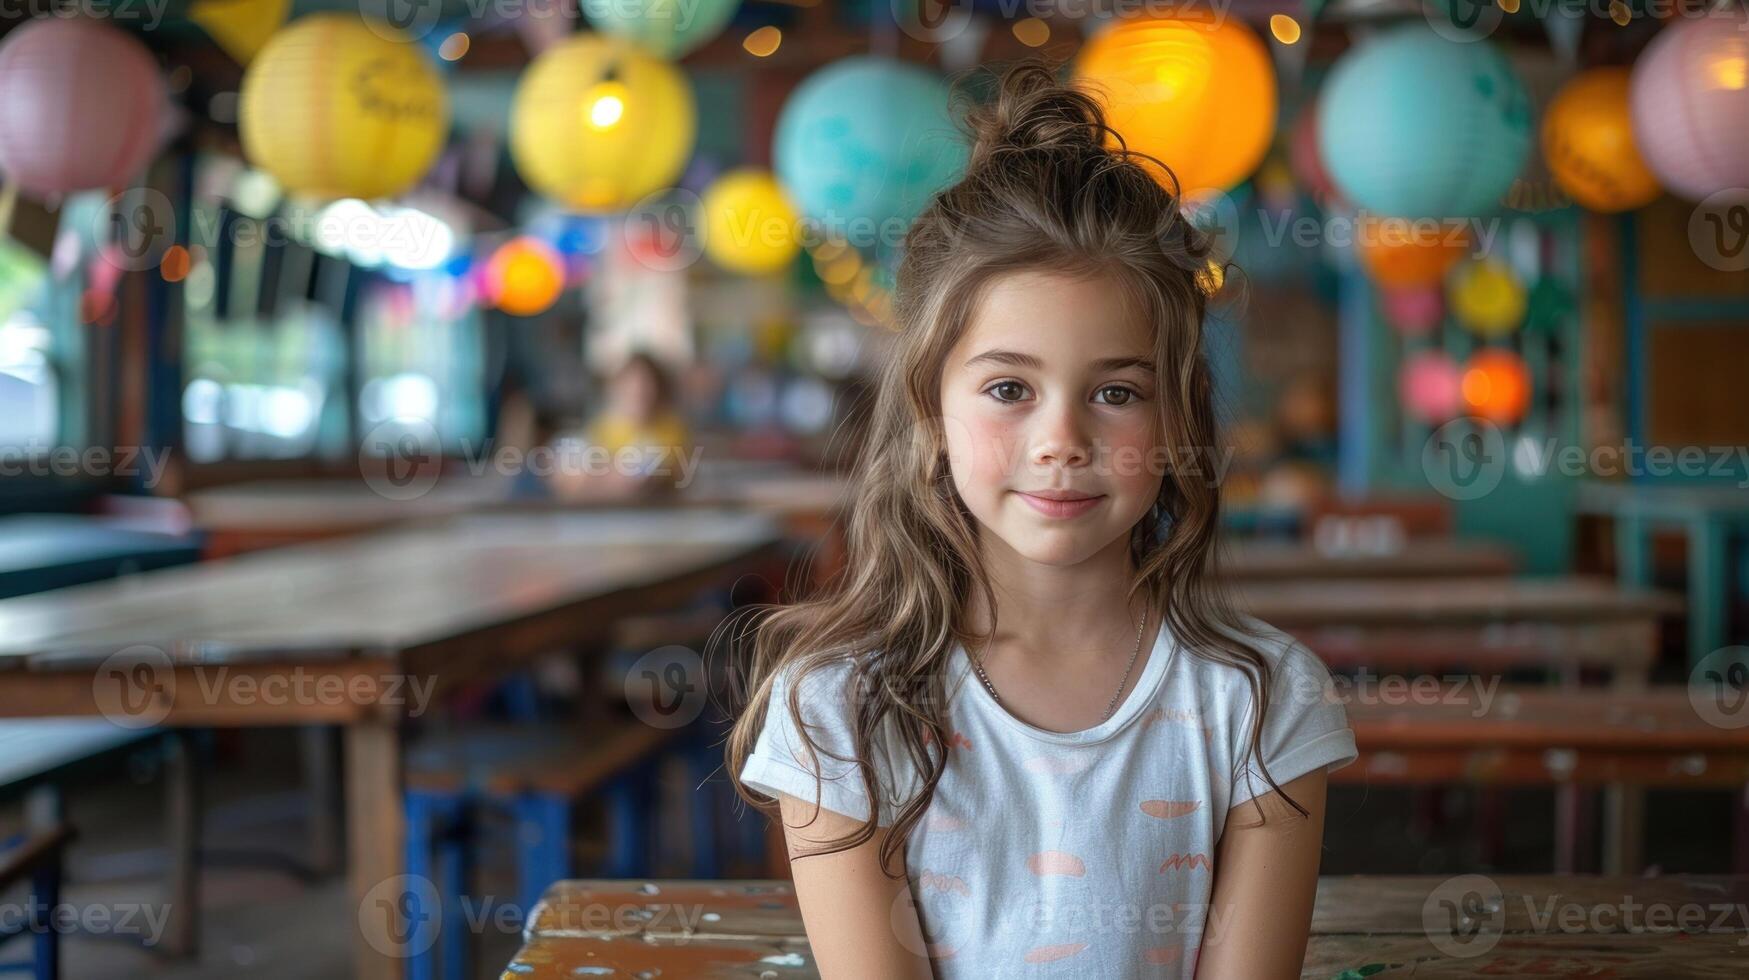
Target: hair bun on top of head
x=1034, y=111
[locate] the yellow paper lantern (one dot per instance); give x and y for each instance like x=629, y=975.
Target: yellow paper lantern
x=1588, y=138
x=1487, y=297
x=241, y=27
x=598, y=124
x=524, y=277
x=334, y=108
x=1194, y=90
x=749, y=224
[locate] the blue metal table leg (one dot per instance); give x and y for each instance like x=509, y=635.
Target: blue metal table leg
x=455, y=869
x=422, y=926
x=626, y=797
x=543, y=846
x=45, y=894
x=702, y=760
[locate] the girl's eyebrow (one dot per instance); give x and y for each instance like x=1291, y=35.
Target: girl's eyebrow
x=1017, y=359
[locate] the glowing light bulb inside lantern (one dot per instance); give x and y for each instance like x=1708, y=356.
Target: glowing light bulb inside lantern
x=1731, y=72
x=1167, y=79
x=1184, y=70
x=607, y=105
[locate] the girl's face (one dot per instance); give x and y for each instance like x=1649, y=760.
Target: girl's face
x=634, y=392
x=1048, y=407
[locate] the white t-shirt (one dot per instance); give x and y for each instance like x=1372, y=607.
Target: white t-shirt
x=1081, y=854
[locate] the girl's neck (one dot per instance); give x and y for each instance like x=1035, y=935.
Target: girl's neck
x=1058, y=610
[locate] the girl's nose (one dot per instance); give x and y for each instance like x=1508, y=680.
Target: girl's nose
x=1060, y=440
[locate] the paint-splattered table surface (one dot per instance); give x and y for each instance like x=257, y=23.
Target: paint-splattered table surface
x=1363, y=926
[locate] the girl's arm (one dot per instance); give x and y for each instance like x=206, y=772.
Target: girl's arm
x=861, y=924
x=1266, y=879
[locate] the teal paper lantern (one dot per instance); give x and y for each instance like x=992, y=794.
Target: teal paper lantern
x=864, y=143
x=665, y=28
x=1413, y=125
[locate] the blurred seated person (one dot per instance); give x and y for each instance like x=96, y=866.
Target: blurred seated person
x=636, y=446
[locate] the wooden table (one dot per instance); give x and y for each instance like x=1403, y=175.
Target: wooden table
x=1262, y=560
x=355, y=632
x=1491, y=624
x=253, y=514
x=1371, y=925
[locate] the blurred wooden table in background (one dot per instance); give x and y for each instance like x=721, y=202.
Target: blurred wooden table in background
x=1263, y=559
x=1493, y=624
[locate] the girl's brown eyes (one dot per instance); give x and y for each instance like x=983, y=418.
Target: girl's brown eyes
x=1124, y=393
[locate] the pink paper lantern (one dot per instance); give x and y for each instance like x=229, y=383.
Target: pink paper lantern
x=1690, y=101
x=1430, y=386
x=1413, y=310
x=1303, y=158
x=83, y=104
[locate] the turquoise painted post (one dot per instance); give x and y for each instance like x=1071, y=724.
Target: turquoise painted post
x=1633, y=553
x=1707, y=567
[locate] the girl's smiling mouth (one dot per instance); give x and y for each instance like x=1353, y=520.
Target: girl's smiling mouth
x=1060, y=503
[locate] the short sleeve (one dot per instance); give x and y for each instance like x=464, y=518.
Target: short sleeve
x=1304, y=728
x=781, y=762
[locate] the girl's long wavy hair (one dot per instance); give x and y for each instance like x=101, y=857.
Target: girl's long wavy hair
x=1048, y=186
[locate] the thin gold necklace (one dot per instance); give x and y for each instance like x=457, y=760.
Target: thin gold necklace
x=978, y=665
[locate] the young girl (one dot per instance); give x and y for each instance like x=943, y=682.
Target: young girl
x=1024, y=736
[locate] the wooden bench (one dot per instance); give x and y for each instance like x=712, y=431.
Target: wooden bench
x=52, y=551
x=36, y=759
x=539, y=775
x=35, y=753
x=35, y=858
x=1361, y=926
x=1554, y=737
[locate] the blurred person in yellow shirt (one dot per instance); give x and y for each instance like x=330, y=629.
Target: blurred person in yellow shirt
x=635, y=445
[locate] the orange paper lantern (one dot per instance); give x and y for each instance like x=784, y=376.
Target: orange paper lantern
x=1403, y=254
x=525, y=277
x=1496, y=386
x=1194, y=90
x=1588, y=140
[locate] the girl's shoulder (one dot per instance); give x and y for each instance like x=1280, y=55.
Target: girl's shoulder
x=813, y=743
x=825, y=688
x=1294, y=670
